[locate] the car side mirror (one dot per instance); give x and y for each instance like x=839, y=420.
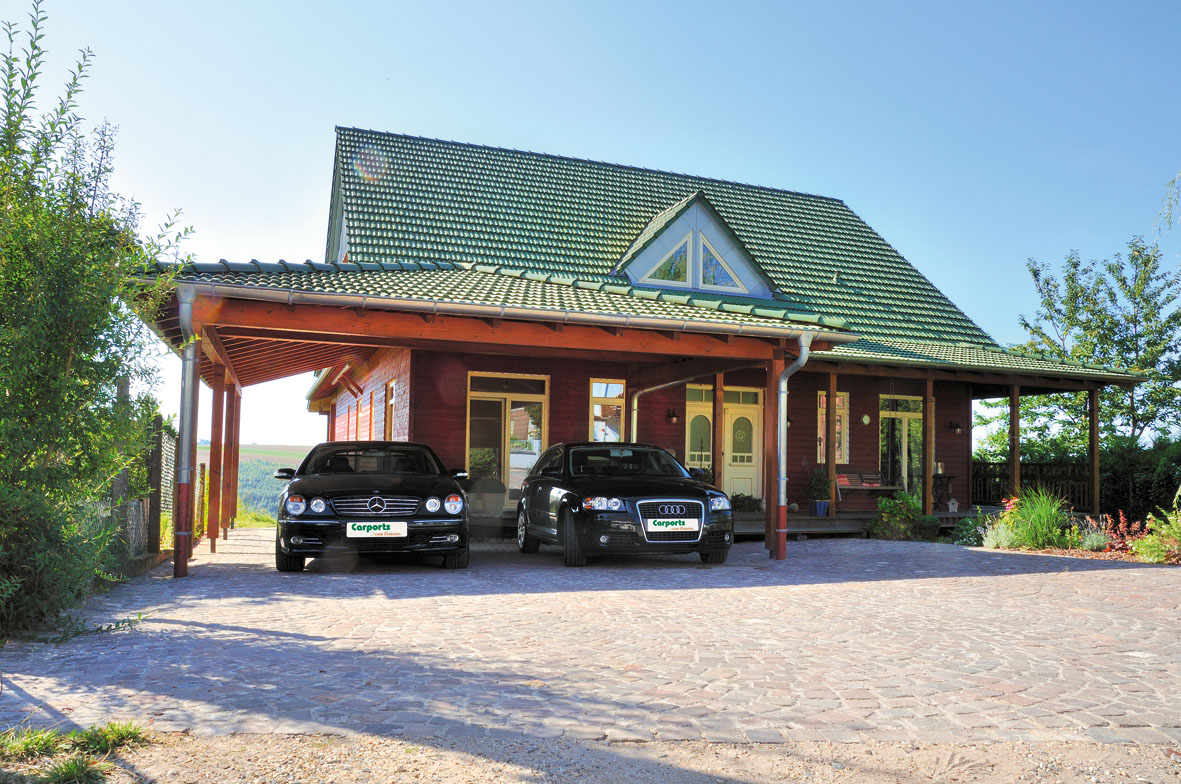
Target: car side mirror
x=285, y=473
x=697, y=473
x=458, y=473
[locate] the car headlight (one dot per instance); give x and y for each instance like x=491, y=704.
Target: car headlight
x=432, y=504
x=295, y=505
x=601, y=504
x=318, y=505
x=718, y=503
x=453, y=504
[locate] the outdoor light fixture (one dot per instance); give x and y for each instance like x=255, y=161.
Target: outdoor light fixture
x=955, y=427
x=671, y=416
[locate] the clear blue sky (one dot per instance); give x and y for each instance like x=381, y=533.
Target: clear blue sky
x=971, y=136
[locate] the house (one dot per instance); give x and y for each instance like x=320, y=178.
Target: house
x=491, y=302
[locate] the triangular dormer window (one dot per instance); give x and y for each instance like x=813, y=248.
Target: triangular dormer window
x=689, y=246
x=714, y=272
x=673, y=268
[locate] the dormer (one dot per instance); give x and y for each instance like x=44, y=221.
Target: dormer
x=689, y=246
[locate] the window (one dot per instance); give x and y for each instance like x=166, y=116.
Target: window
x=842, y=415
x=748, y=397
x=607, y=398
x=900, y=440
x=701, y=442
x=673, y=268
x=391, y=401
x=698, y=394
x=715, y=274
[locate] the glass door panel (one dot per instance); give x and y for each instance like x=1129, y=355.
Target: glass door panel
x=485, y=456
x=524, y=435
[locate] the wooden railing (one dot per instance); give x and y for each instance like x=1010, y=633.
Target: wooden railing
x=1072, y=481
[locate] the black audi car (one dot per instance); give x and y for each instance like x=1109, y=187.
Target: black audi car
x=608, y=499
x=371, y=497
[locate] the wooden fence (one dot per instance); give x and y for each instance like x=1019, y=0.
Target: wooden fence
x=1072, y=481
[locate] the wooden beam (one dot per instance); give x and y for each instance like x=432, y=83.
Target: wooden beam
x=718, y=456
x=1014, y=440
x=830, y=442
x=929, y=448
x=213, y=347
x=686, y=370
x=1093, y=447
x=280, y=319
x=231, y=412
x=963, y=376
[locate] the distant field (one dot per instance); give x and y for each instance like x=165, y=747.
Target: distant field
x=271, y=453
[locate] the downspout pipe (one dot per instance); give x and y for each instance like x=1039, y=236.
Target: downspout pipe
x=183, y=523
x=805, y=342
x=636, y=395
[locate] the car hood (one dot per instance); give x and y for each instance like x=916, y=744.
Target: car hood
x=334, y=485
x=637, y=486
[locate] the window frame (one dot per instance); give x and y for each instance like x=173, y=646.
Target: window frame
x=842, y=414
x=740, y=288
x=687, y=241
x=620, y=401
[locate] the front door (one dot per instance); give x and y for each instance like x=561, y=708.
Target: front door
x=900, y=441
x=505, y=436
x=742, y=450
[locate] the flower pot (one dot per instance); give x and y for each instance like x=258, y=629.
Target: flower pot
x=820, y=508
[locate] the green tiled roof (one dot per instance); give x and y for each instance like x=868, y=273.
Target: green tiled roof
x=964, y=356
x=409, y=199
x=482, y=285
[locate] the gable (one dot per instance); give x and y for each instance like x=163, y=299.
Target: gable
x=694, y=251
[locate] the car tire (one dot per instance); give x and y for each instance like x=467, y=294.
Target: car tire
x=572, y=552
x=716, y=557
x=526, y=542
x=457, y=560
x=285, y=562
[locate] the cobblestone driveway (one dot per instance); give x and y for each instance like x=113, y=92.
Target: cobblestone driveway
x=847, y=640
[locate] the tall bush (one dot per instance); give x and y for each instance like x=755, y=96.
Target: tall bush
x=69, y=331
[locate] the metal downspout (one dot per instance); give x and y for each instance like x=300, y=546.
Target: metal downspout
x=183, y=524
x=805, y=342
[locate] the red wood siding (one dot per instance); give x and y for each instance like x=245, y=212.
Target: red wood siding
x=364, y=418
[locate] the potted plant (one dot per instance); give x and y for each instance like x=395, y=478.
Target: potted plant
x=819, y=492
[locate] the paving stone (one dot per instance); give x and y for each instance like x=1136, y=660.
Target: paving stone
x=936, y=642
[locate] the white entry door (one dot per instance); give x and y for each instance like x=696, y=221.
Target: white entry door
x=744, y=450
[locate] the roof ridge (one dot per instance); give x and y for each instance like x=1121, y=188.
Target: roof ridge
x=533, y=153
x=692, y=299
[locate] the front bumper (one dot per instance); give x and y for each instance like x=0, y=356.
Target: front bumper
x=312, y=538
x=622, y=533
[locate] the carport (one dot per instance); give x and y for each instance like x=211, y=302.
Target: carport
x=241, y=324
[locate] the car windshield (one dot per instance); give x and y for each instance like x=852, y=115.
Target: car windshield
x=353, y=459
x=623, y=461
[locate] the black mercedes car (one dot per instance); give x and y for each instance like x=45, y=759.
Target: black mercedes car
x=609, y=499
x=371, y=497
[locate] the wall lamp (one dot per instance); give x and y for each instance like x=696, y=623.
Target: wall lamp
x=955, y=427
x=672, y=416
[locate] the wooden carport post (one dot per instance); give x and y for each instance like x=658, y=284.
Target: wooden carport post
x=228, y=469
x=1093, y=446
x=718, y=455
x=929, y=448
x=236, y=454
x=1014, y=440
x=775, y=523
x=830, y=442
x=215, y=453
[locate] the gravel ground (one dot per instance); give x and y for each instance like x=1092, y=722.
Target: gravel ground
x=328, y=759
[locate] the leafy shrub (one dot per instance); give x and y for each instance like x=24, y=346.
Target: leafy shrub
x=897, y=516
x=925, y=528
x=741, y=502
x=998, y=535
x=818, y=486
x=1162, y=543
x=1095, y=541
x=1039, y=520
x=968, y=532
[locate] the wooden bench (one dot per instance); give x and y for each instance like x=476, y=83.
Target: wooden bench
x=864, y=481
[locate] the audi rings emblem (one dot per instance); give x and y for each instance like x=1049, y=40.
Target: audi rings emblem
x=673, y=509
x=376, y=505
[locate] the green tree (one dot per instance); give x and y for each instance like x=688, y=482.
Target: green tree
x=70, y=329
x=1119, y=313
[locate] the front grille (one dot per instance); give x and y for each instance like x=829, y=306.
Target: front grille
x=394, y=506
x=672, y=507
x=673, y=536
x=382, y=543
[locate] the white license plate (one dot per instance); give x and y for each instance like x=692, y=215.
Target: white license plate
x=674, y=524
x=371, y=529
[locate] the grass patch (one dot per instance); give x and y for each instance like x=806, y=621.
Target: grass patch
x=26, y=743
x=108, y=738
x=78, y=768
x=254, y=519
